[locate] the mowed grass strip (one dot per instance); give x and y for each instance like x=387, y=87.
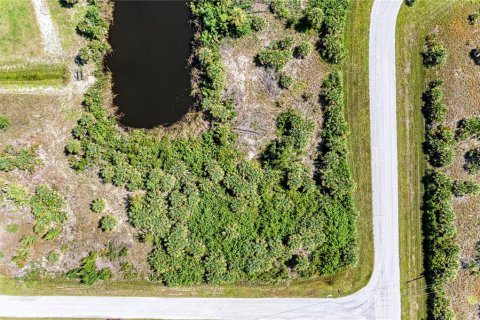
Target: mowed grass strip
x=35, y=75
x=413, y=24
x=19, y=33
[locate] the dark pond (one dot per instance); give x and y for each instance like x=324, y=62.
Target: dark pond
x=151, y=43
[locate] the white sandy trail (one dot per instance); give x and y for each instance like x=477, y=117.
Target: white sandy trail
x=51, y=40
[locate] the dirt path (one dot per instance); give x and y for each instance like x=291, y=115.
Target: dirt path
x=50, y=37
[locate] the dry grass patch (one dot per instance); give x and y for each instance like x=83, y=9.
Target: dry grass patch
x=257, y=97
x=46, y=122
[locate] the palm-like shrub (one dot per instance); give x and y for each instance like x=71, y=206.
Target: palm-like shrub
x=434, y=53
x=108, y=223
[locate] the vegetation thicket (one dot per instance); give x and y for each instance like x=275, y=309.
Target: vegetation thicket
x=441, y=250
x=211, y=215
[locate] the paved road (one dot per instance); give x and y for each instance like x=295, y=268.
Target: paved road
x=380, y=299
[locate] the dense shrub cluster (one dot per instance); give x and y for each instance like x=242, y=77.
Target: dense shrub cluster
x=440, y=244
x=327, y=17
x=22, y=159
x=440, y=146
x=95, y=28
x=211, y=215
x=434, y=109
x=335, y=178
x=434, y=53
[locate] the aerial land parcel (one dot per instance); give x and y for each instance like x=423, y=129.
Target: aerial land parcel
x=193, y=209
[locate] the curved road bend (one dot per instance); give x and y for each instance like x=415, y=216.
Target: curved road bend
x=380, y=299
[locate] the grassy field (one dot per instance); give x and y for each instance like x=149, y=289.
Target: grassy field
x=347, y=282
x=357, y=105
x=35, y=75
x=413, y=24
x=19, y=34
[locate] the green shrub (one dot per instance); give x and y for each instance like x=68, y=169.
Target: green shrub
x=475, y=55
x=22, y=159
x=68, y=3
x=314, y=17
x=4, y=123
x=88, y=273
x=463, y=188
x=468, y=128
x=434, y=109
x=98, y=205
x=17, y=194
x=258, y=23
x=47, y=207
x=108, y=223
x=93, y=26
x=434, y=53
x=410, y=2
x=12, y=228
x=440, y=146
x=472, y=159
x=472, y=18
x=303, y=50
x=73, y=147
x=52, y=234
x=28, y=240
x=285, y=81
x=277, y=55
x=440, y=242
x=279, y=9
x=53, y=257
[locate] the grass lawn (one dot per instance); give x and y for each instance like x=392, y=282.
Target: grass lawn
x=344, y=283
x=34, y=75
x=413, y=25
x=19, y=34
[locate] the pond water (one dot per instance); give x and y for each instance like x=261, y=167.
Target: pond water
x=151, y=42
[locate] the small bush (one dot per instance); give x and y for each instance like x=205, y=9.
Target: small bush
x=277, y=56
x=279, y=9
x=18, y=195
x=98, y=205
x=28, y=240
x=314, y=17
x=303, y=50
x=53, y=257
x=472, y=159
x=108, y=223
x=4, y=123
x=285, y=81
x=410, y=2
x=258, y=23
x=12, y=228
x=463, y=188
x=434, y=109
x=73, y=147
x=440, y=146
x=434, y=53
x=475, y=55
x=472, y=18
x=88, y=273
x=22, y=159
x=52, y=234
x=468, y=128
x=47, y=208
x=68, y=3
